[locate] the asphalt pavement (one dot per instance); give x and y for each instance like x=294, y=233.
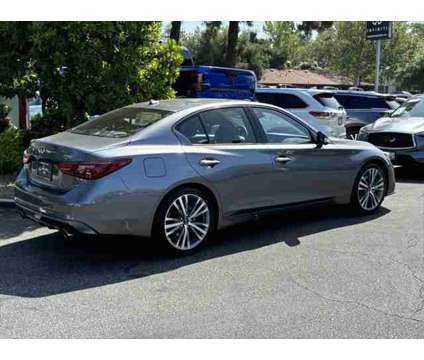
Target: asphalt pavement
x=321, y=273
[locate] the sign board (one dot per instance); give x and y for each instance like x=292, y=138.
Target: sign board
x=377, y=30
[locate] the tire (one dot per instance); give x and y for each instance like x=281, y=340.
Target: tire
x=185, y=220
x=369, y=189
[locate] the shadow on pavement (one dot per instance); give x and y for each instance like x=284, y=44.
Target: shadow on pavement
x=49, y=264
x=410, y=174
x=11, y=223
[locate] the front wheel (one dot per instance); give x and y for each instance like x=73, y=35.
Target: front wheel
x=369, y=189
x=185, y=220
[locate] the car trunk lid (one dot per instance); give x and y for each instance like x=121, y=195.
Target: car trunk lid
x=46, y=154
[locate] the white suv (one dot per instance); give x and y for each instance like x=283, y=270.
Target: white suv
x=317, y=107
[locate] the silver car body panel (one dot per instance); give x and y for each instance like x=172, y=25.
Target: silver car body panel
x=247, y=180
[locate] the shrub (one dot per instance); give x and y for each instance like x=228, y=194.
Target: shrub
x=42, y=126
x=11, y=149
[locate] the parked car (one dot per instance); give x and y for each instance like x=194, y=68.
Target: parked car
x=177, y=170
x=215, y=82
x=402, y=94
x=401, y=133
x=317, y=107
x=363, y=108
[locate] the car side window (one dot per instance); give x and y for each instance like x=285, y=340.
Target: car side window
x=285, y=101
x=193, y=130
x=280, y=129
x=227, y=125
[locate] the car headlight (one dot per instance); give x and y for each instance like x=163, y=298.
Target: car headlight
x=362, y=134
x=389, y=156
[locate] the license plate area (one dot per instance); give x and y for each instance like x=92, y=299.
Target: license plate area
x=44, y=170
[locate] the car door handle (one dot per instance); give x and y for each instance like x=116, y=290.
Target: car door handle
x=282, y=159
x=209, y=162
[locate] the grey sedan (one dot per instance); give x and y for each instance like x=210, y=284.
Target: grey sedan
x=177, y=170
x=401, y=134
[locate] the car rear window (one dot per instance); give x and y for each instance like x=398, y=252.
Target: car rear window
x=362, y=102
x=285, y=101
x=121, y=123
x=327, y=100
x=411, y=108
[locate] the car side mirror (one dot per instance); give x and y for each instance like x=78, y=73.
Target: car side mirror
x=321, y=139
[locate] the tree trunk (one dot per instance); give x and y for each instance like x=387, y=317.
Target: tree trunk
x=231, y=55
x=23, y=112
x=175, y=30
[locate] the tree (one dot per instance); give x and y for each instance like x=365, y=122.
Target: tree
x=284, y=42
x=175, y=31
x=90, y=67
x=16, y=65
x=231, y=53
x=207, y=45
x=411, y=77
x=307, y=27
x=344, y=49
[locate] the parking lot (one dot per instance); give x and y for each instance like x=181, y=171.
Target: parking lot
x=315, y=273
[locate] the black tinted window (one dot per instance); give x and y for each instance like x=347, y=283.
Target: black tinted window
x=227, y=125
x=362, y=102
x=327, y=100
x=193, y=130
x=285, y=101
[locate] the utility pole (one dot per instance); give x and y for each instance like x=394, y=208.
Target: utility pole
x=377, y=65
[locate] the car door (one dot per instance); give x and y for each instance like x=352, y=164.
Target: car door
x=301, y=171
x=225, y=152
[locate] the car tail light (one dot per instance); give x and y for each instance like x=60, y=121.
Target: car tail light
x=92, y=170
x=322, y=114
x=26, y=157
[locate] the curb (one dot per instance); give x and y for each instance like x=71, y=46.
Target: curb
x=7, y=203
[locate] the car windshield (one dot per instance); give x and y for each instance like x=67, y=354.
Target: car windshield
x=121, y=123
x=411, y=108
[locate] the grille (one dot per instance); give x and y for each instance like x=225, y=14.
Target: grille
x=391, y=140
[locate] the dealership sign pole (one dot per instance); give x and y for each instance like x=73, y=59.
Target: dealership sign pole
x=378, y=30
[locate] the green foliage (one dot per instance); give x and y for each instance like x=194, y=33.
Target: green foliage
x=343, y=49
x=88, y=67
x=11, y=151
x=411, y=77
x=42, y=126
x=17, y=73
x=285, y=43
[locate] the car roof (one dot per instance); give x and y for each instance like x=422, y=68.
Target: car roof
x=362, y=93
x=180, y=104
x=294, y=90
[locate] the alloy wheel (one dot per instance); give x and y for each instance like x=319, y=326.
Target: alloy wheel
x=187, y=221
x=371, y=188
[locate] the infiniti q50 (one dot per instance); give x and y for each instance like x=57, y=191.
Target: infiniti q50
x=175, y=171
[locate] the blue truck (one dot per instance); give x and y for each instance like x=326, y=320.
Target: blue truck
x=214, y=82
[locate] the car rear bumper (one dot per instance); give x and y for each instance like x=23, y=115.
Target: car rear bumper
x=43, y=218
x=102, y=208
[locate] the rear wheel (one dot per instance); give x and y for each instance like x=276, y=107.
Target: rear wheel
x=369, y=189
x=185, y=220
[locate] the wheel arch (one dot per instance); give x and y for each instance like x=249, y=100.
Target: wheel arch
x=377, y=161
x=192, y=185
